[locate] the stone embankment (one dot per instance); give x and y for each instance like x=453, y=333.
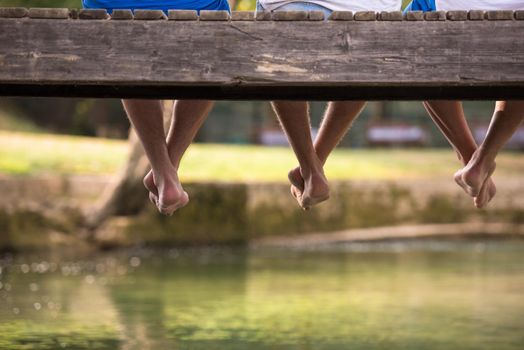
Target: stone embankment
x=43, y=212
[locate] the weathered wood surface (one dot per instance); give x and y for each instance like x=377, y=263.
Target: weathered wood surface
x=435, y=16
x=414, y=16
x=287, y=56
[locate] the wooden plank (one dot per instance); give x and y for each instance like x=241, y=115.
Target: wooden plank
x=290, y=16
x=263, y=60
x=206, y=15
x=316, y=15
x=74, y=13
x=476, y=15
x=263, y=16
x=414, y=16
x=48, y=13
x=391, y=16
x=365, y=16
x=341, y=16
x=93, y=14
x=13, y=12
x=149, y=15
x=499, y=15
x=182, y=15
x=457, y=15
x=242, y=16
x=435, y=16
x=122, y=15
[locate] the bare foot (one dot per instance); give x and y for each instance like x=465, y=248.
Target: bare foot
x=297, y=185
x=316, y=190
x=166, y=192
x=295, y=177
x=473, y=176
x=297, y=182
x=486, y=194
x=149, y=184
x=310, y=191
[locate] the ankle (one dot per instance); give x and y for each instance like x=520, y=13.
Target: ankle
x=311, y=172
x=163, y=176
x=482, y=157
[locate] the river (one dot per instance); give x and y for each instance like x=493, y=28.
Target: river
x=427, y=294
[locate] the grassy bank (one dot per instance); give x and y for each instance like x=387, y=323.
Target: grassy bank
x=29, y=154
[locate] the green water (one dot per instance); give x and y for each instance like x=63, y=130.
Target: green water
x=418, y=295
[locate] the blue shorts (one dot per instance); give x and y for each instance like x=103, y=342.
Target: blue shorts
x=299, y=6
x=163, y=5
x=421, y=5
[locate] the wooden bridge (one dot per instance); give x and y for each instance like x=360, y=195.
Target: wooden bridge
x=243, y=55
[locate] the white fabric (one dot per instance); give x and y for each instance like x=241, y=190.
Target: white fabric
x=341, y=5
x=450, y=5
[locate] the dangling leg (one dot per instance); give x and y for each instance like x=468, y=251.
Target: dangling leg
x=506, y=119
x=336, y=121
x=188, y=117
x=146, y=117
x=294, y=117
x=449, y=118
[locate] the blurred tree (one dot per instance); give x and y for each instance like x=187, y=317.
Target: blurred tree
x=88, y=117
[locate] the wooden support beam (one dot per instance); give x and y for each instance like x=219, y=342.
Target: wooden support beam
x=391, y=16
x=93, y=14
x=435, y=16
x=13, y=12
x=263, y=16
x=457, y=15
x=341, y=16
x=48, y=13
x=414, y=16
x=315, y=16
x=499, y=15
x=365, y=16
x=122, y=15
x=149, y=15
x=476, y=15
x=292, y=56
x=183, y=15
x=206, y=15
x=242, y=16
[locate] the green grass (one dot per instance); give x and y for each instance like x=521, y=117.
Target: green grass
x=27, y=154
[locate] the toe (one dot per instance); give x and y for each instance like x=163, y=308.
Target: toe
x=296, y=179
x=153, y=198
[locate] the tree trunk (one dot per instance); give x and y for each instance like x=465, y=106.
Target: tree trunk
x=127, y=195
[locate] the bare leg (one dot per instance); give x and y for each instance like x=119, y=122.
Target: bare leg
x=507, y=118
x=146, y=117
x=450, y=119
x=294, y=117
x=188, y=117
x=337, y=120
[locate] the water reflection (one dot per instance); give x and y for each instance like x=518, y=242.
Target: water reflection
x=423, y=295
